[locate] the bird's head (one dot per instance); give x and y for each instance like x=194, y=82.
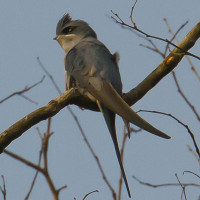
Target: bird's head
x=70, y=32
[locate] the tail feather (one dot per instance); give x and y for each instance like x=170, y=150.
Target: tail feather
x=110, y=121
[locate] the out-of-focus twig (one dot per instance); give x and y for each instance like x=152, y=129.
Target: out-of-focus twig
x=182, y=186
x=165, y=67
x=122, y=156
x=174, y=35
x=155, y=49
x=36, y=174
x=49, y=75
x=3, y=189
x=44, y=169
x=21, y=92
x=193, y=152
x=164, y=185
x=98, y=162
x=187, y=57
x=184, y=97
x=119, y=20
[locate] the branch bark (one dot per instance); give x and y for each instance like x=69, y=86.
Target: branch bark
x=72, y=96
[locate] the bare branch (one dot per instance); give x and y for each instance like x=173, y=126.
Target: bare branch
x=167, y=65
x=134, y=27
x=187, y=57
x=89, y=194
x=184, y=97
x=173, y=34
x=30, y=164
x=183, y=187
x=52, y=108
x=97, y=159
x=131, y=16
x=192, y=173
x=164, y=185
x=44, y=170
x=36, y=174
x=46, y=137
x=155, y=49
x=122, y=156
x=193, y=152
x=186, y=126
x=26, y=89
x=49, y=75
x=3, y=189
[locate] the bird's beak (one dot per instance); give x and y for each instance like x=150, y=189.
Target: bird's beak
x=55, y=38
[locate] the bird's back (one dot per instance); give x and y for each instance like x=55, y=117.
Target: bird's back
x=90, y=58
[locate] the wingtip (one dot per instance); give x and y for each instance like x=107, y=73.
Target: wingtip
x=168, y=137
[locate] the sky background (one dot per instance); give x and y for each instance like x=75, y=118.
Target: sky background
x=27, y=32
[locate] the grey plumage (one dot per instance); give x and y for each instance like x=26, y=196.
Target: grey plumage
x=92, y=69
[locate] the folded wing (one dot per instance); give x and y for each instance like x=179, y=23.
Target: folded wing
x=107, y=95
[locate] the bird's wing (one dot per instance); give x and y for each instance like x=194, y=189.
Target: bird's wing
x=106, y=94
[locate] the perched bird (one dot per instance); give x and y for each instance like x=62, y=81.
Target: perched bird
x=94, y=71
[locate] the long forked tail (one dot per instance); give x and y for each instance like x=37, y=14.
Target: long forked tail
x=109, y=117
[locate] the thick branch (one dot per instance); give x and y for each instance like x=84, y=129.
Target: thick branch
x=168, y=64
x=72, y=96
x=51, y=109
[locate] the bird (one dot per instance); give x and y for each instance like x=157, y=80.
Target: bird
x=93, y=70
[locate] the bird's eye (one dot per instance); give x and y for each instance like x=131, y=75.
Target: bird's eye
x=67, y=30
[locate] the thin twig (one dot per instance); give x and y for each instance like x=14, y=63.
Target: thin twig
x=3, y=189
x=174, y=34
x=44, y=170
x=30, y=164
x=36, y=174
x=187, y=57
x=46, y=137
x=122, y=156
x=164, y=185
x=118, y=20
x=183, y=187
x=26, y=89
x=125, y=136
x=184, y=97
x=96, y=158
x=49, y=75
x=192, y=173
x=193, y=152
x=155, y=49
x=186, y=126
x=89, y=194
x=131, y=16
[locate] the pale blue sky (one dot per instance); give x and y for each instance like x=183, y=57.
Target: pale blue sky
x=27, y=31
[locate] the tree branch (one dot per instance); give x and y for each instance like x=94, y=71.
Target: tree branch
x=168, y=64
x=72, y=96
x=21, y=92
x=51, y=109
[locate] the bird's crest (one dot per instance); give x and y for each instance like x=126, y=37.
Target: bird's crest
x=63, y=22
